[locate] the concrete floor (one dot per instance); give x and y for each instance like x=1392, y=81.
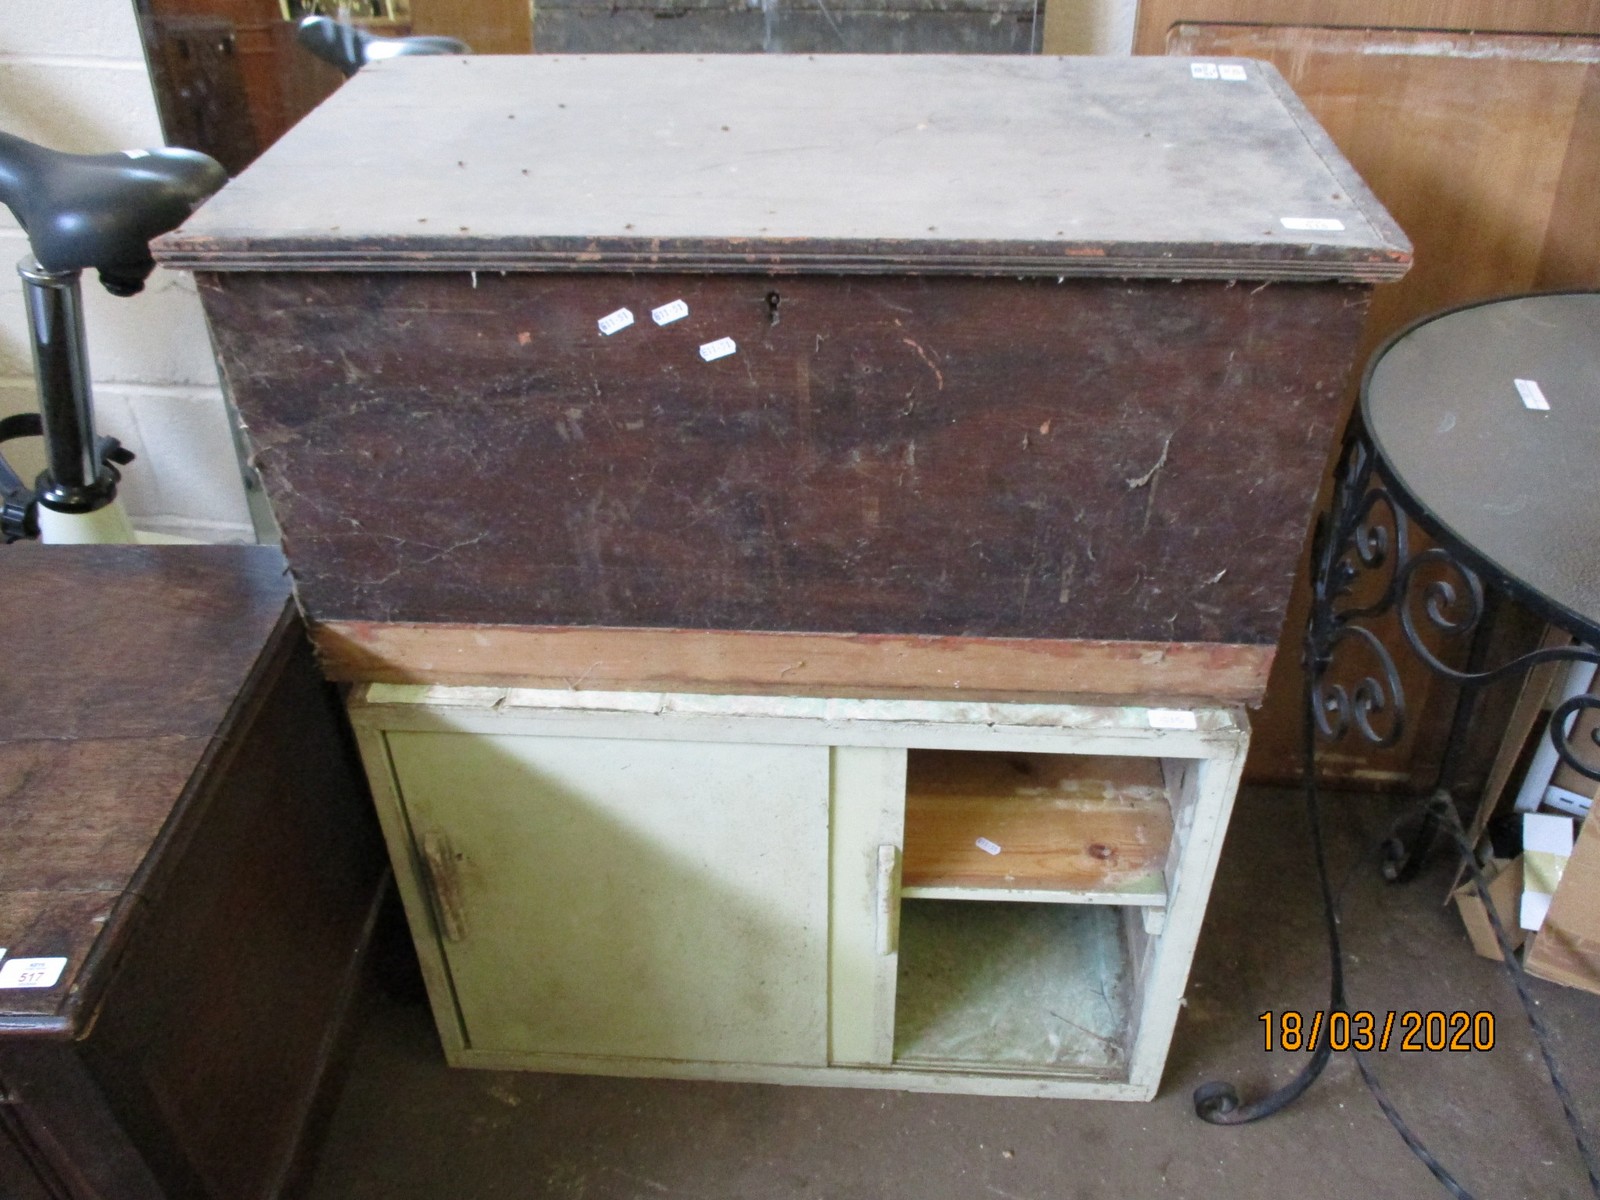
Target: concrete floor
x=406, y=1126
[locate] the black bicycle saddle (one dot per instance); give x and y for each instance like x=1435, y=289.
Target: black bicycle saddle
x=351, y=49
x=101, y=210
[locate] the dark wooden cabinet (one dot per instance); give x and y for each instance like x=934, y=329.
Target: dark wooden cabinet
x=185, y=825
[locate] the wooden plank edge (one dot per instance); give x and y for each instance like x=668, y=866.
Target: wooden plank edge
x=1155, y=898
x=1265, y=261
x=912, y=1076
x=795, y=664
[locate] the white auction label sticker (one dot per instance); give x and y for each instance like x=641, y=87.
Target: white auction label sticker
x=987, y=846
x=720, y=348
x=1532, y=395
x=1313, y=224
x=1231, y=71
x=612, y=322
x=668, y=313
x=1171, y=718
x=1204, y=71
x=31, y=972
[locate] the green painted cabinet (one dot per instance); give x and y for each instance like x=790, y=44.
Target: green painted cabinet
x=803, y=890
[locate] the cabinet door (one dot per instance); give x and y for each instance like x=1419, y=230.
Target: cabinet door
x=625, y=898
x=869, y=793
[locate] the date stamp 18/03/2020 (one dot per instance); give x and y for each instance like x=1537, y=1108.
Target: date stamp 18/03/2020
x=1363, y=1030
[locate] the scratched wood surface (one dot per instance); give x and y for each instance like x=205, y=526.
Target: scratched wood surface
x=839, y=162
x=744, y=663
x=930, y=456
x=132, y=661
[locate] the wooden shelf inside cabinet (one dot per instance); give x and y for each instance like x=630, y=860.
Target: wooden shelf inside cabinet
x=1076, y=829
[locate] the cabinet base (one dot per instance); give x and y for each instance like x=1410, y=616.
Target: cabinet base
x=1053, y=1087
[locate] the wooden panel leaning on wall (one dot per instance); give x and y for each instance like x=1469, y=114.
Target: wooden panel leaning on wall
x=1486, y=148
x=488, y=26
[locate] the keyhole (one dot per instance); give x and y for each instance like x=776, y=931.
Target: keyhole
x=773, y=300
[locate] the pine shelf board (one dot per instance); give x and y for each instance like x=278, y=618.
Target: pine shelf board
x=1068, y=828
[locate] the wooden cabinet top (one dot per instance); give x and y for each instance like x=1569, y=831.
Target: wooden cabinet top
x=1166, y=168
x=117, y=694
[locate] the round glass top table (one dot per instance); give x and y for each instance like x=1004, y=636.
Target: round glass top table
x=1486, y=421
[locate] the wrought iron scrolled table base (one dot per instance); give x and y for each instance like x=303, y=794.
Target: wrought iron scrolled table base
x=1437, y=593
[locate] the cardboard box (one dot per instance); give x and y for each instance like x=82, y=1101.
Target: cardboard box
x=1505, y=890
x=1567, y=948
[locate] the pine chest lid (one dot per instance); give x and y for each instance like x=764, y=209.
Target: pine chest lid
x=1149, y=167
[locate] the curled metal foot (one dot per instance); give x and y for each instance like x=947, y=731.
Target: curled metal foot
x=1218, y=1103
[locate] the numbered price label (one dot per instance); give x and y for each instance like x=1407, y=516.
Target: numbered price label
x=1433, y=1031
x=612, y=322
x=31, y=972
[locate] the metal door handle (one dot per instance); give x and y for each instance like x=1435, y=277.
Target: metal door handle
x=440, y=864
x=888, y=894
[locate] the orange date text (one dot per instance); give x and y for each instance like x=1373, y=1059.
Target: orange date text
x=1434, y=1031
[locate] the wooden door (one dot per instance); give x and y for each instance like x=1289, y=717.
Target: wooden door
x=626, y=898
x=1486, y=149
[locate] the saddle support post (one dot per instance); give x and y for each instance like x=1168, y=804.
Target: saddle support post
x=78, y=492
